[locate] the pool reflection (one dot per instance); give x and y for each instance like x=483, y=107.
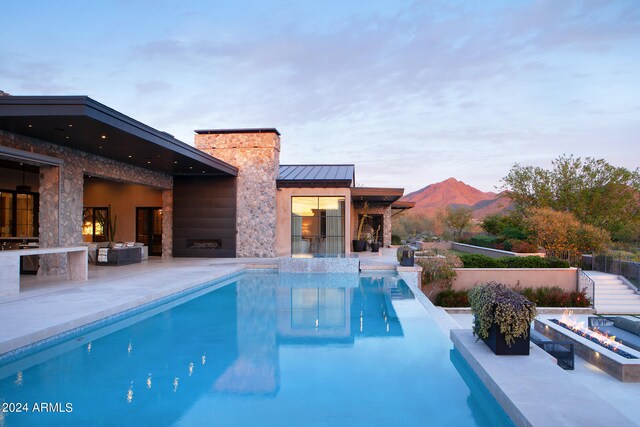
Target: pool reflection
x=226, y=342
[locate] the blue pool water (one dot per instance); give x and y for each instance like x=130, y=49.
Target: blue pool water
x=264, y=349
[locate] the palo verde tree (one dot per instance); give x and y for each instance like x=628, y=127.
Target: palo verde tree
x=596, y=192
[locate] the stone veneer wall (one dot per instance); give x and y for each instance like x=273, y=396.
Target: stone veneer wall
x=64, y=227
x=167, y=223
x=257, y=156
x=386, y=221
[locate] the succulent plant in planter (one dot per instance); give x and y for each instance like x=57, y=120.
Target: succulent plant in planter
x=502, y=318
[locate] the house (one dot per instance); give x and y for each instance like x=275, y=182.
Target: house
x=71, y=166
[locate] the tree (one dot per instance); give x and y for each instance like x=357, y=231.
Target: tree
x=510, y=226
x=562, y=235
x=410, y=224
x=596, y=192
x=458, y=218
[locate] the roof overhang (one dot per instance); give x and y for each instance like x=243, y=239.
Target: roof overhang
x=402, y=206
x=376, y=196
x=80, y=123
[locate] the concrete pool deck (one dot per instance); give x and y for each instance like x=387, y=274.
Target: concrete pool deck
x=48, y=306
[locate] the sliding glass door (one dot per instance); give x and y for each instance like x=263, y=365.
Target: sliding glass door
x=317, y=226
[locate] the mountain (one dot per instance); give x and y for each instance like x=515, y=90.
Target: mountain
x=435, y=197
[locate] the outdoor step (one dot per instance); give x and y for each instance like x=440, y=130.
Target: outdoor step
x=608, y=281
x=615, y=292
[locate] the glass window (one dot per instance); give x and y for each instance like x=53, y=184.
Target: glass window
x=317, y=226
x=94, y=224
x=6, y=214
x=18, y=214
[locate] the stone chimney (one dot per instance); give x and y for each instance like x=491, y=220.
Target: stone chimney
x=256, y=153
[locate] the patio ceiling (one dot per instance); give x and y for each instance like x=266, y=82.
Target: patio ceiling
x=80, y=123
x=375, y=195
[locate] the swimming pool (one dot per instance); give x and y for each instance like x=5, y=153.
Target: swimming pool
x=261, y=349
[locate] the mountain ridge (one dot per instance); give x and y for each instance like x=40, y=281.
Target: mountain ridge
x=452, y=192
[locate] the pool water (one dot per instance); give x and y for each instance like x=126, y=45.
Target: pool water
x=264, y=349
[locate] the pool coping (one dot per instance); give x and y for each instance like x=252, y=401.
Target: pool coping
x=532, y=389
x=66, y=312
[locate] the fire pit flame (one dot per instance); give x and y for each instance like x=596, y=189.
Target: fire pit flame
x=569, y=321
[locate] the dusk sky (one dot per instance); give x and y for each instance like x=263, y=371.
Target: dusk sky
x=411, y=92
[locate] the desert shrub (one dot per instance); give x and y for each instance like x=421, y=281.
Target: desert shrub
x=395, y=239
x=438, y=266
x=522, y=247
x=483, y=261
x=451, y=298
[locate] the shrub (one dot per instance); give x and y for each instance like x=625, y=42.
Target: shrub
x=438, y=266
x=522, y=247
x=496, y=303
x=395, y=239
x=541, y=297
x=451, y=298
x=556, y=297
x=483, y=261
x=484, y=241
x=479, y=261
x=513, y=233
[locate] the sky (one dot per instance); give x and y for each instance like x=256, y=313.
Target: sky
x=411, y=92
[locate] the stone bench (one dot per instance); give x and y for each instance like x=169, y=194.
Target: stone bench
x=10, y=265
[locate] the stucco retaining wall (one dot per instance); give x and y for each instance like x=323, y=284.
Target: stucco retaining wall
x=565, y=278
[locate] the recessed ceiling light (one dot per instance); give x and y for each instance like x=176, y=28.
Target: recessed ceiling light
x=70, y=126
x=175, y=162
x=190, y=167
x=149, y=163
x=202, y=171
x=130, y=156
x=30, y=126
x=103, y=136
x=66, y=137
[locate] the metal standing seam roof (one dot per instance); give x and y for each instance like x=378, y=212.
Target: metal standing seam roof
x=318, y=175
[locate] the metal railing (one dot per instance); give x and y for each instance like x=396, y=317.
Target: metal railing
x=585, y=282
x=613, y=264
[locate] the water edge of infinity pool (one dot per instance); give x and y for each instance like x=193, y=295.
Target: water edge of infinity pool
x=262, y=348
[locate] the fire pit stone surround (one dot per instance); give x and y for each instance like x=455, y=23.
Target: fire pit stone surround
x=625, y=370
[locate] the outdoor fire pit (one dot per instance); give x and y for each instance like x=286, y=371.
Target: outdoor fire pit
x=619, y=361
